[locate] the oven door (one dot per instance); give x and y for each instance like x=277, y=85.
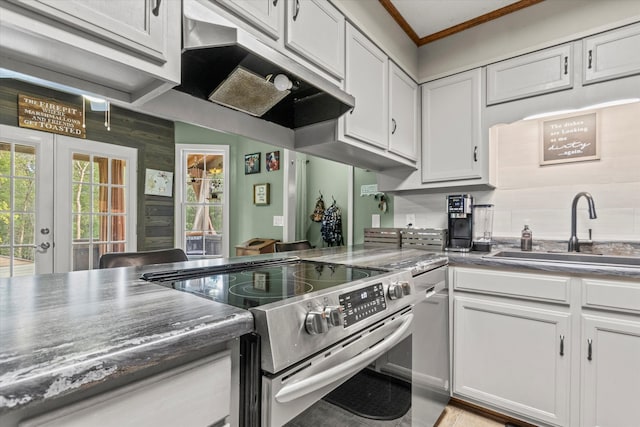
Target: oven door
x=287, y=394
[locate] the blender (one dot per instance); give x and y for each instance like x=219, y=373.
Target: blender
x=482, y=227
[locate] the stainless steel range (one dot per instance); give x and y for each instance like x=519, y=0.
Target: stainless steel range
x=317, y=324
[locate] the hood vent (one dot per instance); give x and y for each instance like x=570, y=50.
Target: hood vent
x=225, y=64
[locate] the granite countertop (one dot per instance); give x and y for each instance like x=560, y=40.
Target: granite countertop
x=67, y=333
x=627, y=249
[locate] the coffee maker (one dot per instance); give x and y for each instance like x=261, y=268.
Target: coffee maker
x=460, y=222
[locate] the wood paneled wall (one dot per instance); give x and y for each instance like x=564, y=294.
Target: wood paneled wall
x=153, y=137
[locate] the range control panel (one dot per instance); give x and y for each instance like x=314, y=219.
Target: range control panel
x=362, y=303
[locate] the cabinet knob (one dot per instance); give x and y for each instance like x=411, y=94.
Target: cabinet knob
x=275, y=2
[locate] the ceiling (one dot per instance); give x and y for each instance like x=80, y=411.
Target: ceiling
x=425, y=21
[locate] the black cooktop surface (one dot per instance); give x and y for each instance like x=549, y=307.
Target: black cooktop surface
x=254, y=284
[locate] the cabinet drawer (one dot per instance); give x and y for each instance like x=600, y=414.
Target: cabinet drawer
x=522, y=285
x=612, y=55
x=611, y=295
x=195, y=395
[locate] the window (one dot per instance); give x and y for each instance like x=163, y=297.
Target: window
x=201, y=200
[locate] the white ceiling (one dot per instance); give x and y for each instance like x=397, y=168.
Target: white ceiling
x=427, y=17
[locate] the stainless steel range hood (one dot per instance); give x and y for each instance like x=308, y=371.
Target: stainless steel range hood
x=227, y=65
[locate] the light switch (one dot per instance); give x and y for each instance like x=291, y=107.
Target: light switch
x=278, y=221
x=375, y=221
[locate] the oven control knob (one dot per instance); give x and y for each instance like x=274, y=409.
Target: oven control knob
x=333, y=314
x=406, y=287
x=395, y=290
x=315, y=323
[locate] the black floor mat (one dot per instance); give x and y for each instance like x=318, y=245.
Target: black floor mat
x=373, y=395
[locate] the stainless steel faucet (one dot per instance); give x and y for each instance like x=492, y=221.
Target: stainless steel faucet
x=574, y=246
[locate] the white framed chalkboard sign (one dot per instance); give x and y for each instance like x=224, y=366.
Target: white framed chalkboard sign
x=570, y=139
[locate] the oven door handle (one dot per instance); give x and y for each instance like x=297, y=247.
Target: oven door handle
x=309, y=385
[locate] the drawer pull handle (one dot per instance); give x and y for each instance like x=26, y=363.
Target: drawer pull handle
x=566, y=65
x=295, y=15
x=156, y=9
x=589, y=349
x=394, y=127
x=475, y=153
x=590, y=58
x=275, y=2
x=561, y=345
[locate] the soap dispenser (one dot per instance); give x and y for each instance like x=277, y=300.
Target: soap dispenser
x=526, y=241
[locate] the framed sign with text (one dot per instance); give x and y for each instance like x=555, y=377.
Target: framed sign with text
x=570, y=139
x=50, y=115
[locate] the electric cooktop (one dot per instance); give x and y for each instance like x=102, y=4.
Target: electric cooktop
x=253, y=284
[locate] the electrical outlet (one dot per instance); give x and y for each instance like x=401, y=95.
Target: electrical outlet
x=410, y=219
x=375, y=221
x=278, y=221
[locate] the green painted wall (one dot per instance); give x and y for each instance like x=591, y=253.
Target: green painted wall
x=246, y=219
x=365, y=206
x=331, y=179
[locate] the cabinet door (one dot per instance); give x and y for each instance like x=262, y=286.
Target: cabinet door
x=528, y=75
x=403, y=111
x=139, y=25
x=610, y=372
x=613, y=54
x=451, y=128
x=315, y=29
x=513, y=357
x=367, y=80
x=263, y=14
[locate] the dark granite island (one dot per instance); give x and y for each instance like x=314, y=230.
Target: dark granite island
x=67, y=337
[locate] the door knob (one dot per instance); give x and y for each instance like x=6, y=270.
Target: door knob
x=44, y=230
x=45, y=245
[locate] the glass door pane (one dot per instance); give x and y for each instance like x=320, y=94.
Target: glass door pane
x=26, y=238
x=203, y=202
x=98, y=206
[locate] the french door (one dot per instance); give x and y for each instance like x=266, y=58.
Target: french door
x=26, y=202
x=63, y=202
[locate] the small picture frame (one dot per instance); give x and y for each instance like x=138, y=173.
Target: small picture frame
x=158, y=183
x=261, y=194
x=261, y=281
x=272, y=161
x=251, y=163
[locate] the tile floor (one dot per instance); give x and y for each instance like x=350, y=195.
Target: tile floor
x=324, y=414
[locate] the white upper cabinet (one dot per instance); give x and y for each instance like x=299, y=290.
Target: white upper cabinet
x=612, y=54
x=403, y=112
x=138, y=25
x=126, y=50
x=536, y=73
x=367, y=79
x=315, y=29
x=451, y=128
x=264, y=14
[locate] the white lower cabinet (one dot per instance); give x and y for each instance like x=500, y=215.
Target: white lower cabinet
x=512, y=356
x=551, y=349
x=610, y=362
x=195, y=395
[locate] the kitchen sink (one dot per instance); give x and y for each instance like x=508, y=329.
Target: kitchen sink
x=622, y=261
